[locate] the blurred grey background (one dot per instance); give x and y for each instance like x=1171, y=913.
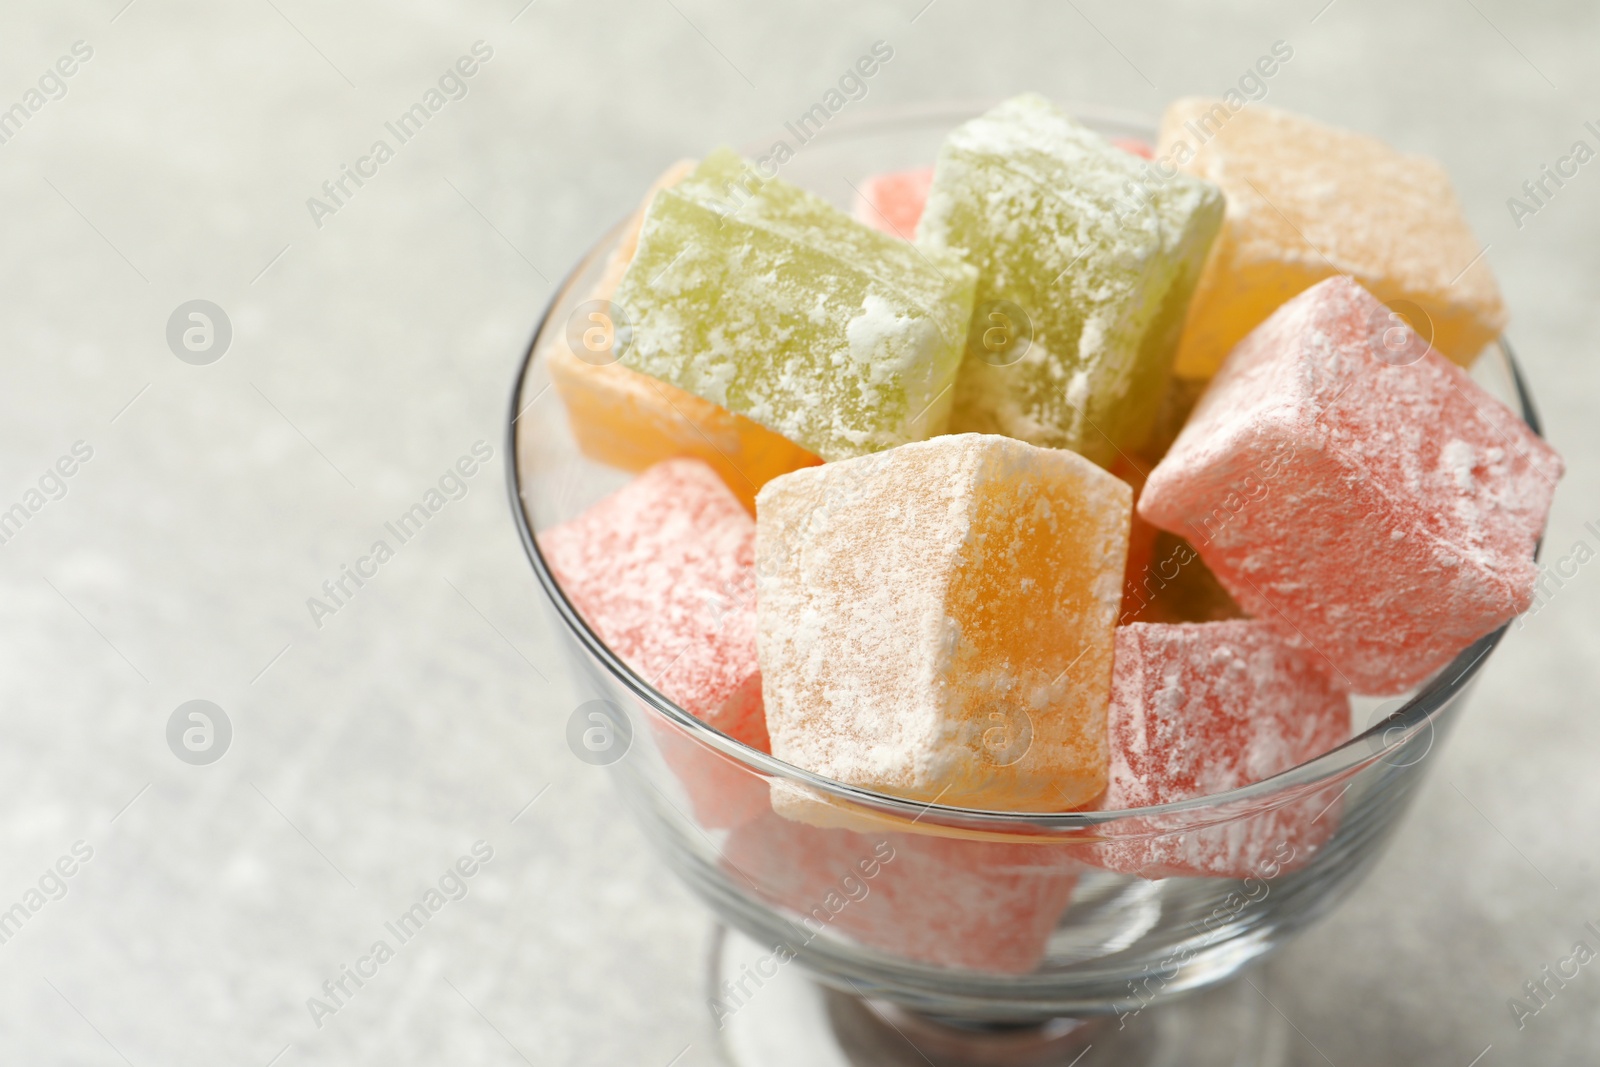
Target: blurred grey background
x=371, y=351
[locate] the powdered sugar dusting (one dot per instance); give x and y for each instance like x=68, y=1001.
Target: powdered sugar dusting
x=1100, y=257
x=664, y=572
x=919, y=611
x=770, y=302
x=1202, y=708
x=1388, y=514
x=1306, y=201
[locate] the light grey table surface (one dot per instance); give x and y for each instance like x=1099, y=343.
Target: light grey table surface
x=371, y=351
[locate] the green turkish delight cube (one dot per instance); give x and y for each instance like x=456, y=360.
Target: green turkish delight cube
x=767, y=300
x=1087, y=257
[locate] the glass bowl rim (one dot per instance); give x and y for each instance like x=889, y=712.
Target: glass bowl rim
x=1419, y=712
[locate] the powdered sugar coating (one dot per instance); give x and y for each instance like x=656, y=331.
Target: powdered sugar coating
x=1306, y=201
x=633, y=421
x=768, y=301
x=1385, y=514
x=935, y=620
x=893, y=201
x=1098, y=253
x=664, y=572
x=1202, y=708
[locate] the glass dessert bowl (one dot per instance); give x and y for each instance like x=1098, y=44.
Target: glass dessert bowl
x=866, y=928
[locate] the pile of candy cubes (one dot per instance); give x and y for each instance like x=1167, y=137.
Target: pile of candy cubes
x=1064, y=475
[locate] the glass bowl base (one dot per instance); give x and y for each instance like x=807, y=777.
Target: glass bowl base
x=788, y=1020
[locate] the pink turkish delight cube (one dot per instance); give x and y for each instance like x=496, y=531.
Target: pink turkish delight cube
x=976, y=905
x=1203, y=708
x=1135, y=146
x=1357, y=490
x=893, y=201
x=664, y=572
